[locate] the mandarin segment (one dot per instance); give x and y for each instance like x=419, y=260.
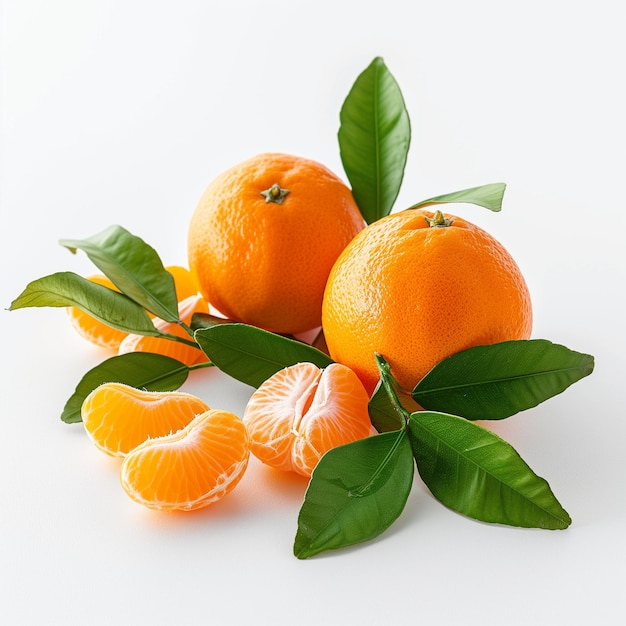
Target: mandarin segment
x=416, y=294
x=104, y=336
x=92, y=329
x=303, y=411
x=264, y=237
x=119, y=417
x=189, y=469
x=187, y=354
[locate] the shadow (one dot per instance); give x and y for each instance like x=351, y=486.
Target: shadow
x=261, y=491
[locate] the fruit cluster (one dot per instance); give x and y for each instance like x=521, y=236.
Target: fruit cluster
x=422, y=326
x=178, y=454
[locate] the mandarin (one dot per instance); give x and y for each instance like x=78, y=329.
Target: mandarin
x=417, y=287
x=264, y=236
x=191, y=468
x=303, y=411
x=119, y=417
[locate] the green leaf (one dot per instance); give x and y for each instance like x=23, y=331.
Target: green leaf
x=499, y=380
x=252, y=355
x=473, y=471
x=487, y=196
x=134, y=267
x=383, y=414
x=68, y=289
x=356, y=492
x=207, y=320
x=374, y=137
x=144, y=370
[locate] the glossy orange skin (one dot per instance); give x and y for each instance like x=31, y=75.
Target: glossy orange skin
x=417, y=294
x=264, y=263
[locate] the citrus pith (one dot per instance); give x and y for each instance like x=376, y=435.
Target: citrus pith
x=191, y=468
x=119, y=417
x=303, y=411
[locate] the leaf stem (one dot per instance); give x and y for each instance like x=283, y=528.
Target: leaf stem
x=187, y=342
x=186, y=328
x=388, y=383
x=201, y=365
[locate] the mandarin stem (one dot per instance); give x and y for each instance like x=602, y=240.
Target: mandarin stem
x=438, y=220
x=275, y=194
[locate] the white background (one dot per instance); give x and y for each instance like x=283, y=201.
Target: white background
x=122, y=112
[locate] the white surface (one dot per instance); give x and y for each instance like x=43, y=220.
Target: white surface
x=122, y=112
